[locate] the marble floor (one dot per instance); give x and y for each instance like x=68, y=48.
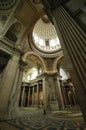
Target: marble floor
x=35, y=120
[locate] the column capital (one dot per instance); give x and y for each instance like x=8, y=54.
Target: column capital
x=22, y=64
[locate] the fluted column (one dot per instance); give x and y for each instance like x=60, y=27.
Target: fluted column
x=44, y=93
x=7, y=85
x=15, y=111
x=58, y=88
x=73, y=96
x=22, y=100
x=19, y=83
x=28, y=96
x=73, y=90
x=64, y=95
x=33, y=97
x=73, y=41
x=37, y=95
x=13, y=95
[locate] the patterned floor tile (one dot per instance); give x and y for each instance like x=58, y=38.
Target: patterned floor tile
x=37, y=121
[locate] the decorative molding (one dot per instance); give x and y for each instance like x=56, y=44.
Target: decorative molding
x=7, y=4
x=9, y=48
x=43, y=53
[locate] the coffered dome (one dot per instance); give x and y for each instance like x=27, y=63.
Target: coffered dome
x=44, y=29
x=7, y=4
x=45, y=36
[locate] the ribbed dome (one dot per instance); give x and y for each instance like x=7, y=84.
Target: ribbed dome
x=44, y=29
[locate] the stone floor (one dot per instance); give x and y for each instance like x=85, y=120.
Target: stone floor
x=35, y=120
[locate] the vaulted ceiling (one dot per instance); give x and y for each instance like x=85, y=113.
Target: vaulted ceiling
x=26, y=13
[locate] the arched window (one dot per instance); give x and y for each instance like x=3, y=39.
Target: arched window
x=13, y=32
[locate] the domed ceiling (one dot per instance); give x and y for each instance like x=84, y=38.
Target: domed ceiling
x=45, y=36
x=7, y=4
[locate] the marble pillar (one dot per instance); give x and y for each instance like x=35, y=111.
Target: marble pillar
x=28, y=96
x=56, y=101
x=19, y=84
x=64, y=96
x=13, y=95
x=58, y=88
x=44, y=93
x=18, y=90
x=50, y=96
x=73, y=42
x=37, y=95
x=7, y=83
x=23, y=96
x=33, y=96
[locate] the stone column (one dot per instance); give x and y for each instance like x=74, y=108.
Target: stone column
x=57, y=83
x=73, y=42
x=7, y=85
x=48, y=91
x=73, y=95
x=44, y=94
x=13, y=94
x=37, y=95
x=15, y=108
x=64, y=95
x=55, y=101
x=17, y=93
x=33, y=97
x=28, y=96
x=22, y=100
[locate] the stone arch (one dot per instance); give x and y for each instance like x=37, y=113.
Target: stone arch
x=25, y=56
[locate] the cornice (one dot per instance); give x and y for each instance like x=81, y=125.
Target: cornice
x=9, y=48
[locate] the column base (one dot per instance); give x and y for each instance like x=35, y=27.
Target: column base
x=54, y=105
x=4, y=116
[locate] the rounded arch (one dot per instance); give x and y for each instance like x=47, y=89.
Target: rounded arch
x=13, y=32
x=25, y=56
